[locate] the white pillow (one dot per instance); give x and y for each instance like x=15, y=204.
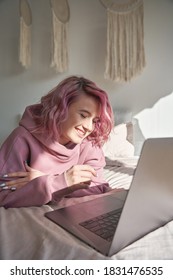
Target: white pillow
x=120, y=143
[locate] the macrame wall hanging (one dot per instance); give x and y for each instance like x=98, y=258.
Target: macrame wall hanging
x=125, y=56
x=60, y=19
x=25, y=34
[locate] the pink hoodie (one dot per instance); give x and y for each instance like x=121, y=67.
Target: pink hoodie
x=51, y=158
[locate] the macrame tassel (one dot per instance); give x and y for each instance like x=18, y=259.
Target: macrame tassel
x=59, y=58
x=125, y=44
x=25, y=44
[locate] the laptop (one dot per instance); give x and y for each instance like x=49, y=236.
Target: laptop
x=146, y=206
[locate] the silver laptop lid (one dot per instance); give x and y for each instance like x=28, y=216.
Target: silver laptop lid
x=149, y=203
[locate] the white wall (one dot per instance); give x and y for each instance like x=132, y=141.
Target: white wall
x=87, y=50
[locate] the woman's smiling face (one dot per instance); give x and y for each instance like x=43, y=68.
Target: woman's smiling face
x=82, y=116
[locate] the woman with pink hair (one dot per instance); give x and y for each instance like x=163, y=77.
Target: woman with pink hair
x=56, y=149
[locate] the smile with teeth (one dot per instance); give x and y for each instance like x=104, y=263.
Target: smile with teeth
x=80, y=132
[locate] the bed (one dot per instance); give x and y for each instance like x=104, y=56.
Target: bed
x=26, y=234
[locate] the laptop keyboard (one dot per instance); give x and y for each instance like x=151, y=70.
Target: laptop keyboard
x=103, y=225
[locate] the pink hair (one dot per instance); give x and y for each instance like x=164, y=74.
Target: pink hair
x=53, y=109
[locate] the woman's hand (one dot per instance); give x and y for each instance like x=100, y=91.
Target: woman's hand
x=21, y=178
x=80, y=175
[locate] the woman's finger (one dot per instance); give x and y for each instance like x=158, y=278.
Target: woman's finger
x=17, y=182
x=79, y=174
x=15, y=174
x=87, y=168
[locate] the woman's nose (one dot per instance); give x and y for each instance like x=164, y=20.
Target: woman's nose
x=88, y=125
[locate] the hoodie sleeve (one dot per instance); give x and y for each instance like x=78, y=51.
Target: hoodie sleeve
x=37, y=192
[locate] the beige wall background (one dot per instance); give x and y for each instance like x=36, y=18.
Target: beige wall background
x=148, y=97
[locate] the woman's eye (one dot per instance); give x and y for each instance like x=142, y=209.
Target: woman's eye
x=83, y=116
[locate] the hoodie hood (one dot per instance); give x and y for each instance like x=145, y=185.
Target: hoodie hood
x=64, y=151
